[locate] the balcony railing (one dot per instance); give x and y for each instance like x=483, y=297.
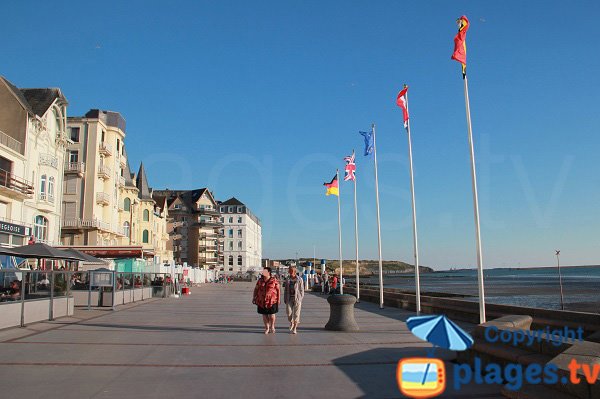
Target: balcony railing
x=102, y=198
x=75, y=167
x=105, y=148
x=11, y=143
x=121, y=181
x=85, y=224
x=16, y=184
x=104, y=172
x=47, y=197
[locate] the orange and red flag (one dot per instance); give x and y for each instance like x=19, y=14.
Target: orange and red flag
x=460, y=43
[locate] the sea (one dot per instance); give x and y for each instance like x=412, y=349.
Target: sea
x=532, y=287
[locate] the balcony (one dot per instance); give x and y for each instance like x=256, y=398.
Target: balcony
x=82, y=224
x=47, y=197
x=104, y=172
x=105, y=148
x=123, y=160
x=209, y=212
x=11, y=143
x=102, y=198
x=121, y=181
x=15, y=187
x=75, y=167
x=209, y=223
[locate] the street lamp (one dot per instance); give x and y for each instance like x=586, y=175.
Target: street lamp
x=562, y=303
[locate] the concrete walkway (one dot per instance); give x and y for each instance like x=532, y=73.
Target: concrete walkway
x=211, y=345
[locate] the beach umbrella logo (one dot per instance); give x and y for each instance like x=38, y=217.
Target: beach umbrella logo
x=440, y=331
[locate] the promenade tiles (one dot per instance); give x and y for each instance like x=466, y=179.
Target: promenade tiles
x=211, y=345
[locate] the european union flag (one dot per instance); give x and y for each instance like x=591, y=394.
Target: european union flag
x=368, y=142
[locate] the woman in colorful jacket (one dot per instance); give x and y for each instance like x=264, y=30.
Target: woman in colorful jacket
x=293, y=294
x=267, y=298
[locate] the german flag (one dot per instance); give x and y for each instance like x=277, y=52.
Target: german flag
x=460, y=43
x=333, y=187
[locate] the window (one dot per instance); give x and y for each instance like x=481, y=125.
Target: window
x=126, y=229
x=43, y=181
x=75, y=134
x=239, y=219
x=230, y=220
x=239, y=233
x=230, y=260
x=240, y=209
x=240, y=245
x=177, y=206
x=222, y=220
x=239, y=260
x=118, y=146
x=230, y=233
x=222, y=209
x=230, y=209
x=146, y=215
x=51, y=189
x=73, y=156
x=145, y=237
x=231, y=245
x=40, y=228
x=71, y=184
x=127, y=204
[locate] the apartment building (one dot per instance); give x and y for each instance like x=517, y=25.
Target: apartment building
x=104, y=203
x=194, y=227
x=32, y=156
x=242, y=237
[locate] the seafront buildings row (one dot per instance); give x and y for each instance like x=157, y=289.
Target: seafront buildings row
x=67, y=181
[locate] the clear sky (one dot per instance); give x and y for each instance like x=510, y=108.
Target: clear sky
x=261, y=100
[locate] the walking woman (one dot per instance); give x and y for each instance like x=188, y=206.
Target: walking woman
x=267, y=298
x=293, y=294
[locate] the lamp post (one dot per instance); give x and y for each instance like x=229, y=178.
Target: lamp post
x=562, y=303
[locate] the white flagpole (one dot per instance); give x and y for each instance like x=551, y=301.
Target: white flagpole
x=337, y=173
x=476, y=207
x=414, y=214
x=378, y=222
x=356, y=241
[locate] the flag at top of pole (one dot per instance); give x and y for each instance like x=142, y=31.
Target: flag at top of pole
x=350, y=167
x=460, y=44
x=369, y=144
x=401, y=102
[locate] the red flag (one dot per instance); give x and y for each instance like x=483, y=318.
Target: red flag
x=460, y=43
x=401, y=102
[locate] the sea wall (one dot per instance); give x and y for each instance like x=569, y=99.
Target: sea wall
x=468, y=311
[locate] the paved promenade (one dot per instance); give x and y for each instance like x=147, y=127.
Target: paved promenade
x=210, y=345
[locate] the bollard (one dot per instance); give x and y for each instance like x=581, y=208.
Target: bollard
x=341, y=313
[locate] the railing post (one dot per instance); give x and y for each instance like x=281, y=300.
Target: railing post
x=89, y=290
x=114, y=289
x=23, y=285
x=68, y=284
x=51, y=310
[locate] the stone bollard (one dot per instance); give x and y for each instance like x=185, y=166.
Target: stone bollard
x=341, y=313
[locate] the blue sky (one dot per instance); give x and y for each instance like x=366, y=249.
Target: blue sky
x=264, y=99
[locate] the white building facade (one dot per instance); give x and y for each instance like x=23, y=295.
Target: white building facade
x=242, y=232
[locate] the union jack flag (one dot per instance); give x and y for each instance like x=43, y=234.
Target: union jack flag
x=350, y=168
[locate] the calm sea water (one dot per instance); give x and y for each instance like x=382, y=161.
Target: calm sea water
x=533, y=287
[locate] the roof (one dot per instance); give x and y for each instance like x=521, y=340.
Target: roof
x=141, y=183
x=18, y=94
x=41, y=99
x=160, y=201
x=35, y=101
x=128, y=175
x=188, y=197
x=232, y=201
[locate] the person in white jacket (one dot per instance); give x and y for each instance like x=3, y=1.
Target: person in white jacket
x=292, y=297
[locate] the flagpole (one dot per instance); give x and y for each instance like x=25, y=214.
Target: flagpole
x=378, y=219
x=337, y=174
x=414, y=214
x=476, y=207
x=356, y=241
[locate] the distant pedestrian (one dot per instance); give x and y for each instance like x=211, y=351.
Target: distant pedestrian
x=267, y=298
x=293, y=294
x=325, y=287
x=333, y=285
